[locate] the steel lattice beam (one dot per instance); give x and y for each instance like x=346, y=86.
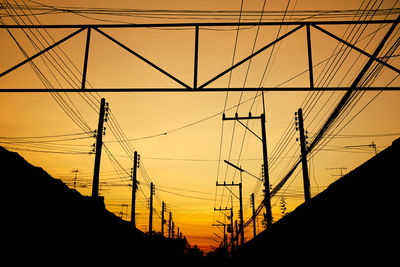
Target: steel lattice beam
x=197, y=26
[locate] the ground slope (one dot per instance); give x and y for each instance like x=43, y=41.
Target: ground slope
x=353, y=220
x=44, y=220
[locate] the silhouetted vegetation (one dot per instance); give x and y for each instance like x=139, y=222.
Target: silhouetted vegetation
x=218, y=255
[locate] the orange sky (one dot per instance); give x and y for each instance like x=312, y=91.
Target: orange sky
x=183, y=164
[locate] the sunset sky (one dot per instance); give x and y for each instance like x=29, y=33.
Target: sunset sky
x=180, y=136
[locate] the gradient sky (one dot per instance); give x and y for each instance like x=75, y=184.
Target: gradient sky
x=183, y=163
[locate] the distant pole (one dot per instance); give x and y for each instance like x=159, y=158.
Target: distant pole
x=306, y=179
x=254, y=214
x=240, y=202
x=232, y=239
x=236, y=231
x=151, y=208
x=76, y=176
x=134, y=187
x=241, y=215
x=99, y=144
x=263, y=138
x=162, y=218
x=170, y=225
x=225, y=236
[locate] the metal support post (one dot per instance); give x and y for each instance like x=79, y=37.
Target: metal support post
x=310, y=63
x=196, y=57
x=85, y=62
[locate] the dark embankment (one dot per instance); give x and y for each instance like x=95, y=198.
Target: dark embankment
x=353, y=221
x=44, y=219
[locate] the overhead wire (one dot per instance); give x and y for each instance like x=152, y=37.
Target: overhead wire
x=187, y=14
x=226, y=100
x=352, y=104
x=74, y=113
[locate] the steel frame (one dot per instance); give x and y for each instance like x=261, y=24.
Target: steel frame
x=197, y=26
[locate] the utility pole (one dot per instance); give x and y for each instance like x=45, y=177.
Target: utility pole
x=151, y=208
x=76, y=174
x=306, y=179
x=341, y=171
x=241, y=214
x=372, y=145
x=240, y=194
x=162, y=218
x=224, y=225
x=241, y=206
x=99, y=144
x=170, y=225
x=263, y=138
x=236, y=231
x=229, y=227
x=254, y=214
x=136, y=159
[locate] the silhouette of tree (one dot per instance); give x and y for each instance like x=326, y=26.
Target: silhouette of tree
x=196, y=252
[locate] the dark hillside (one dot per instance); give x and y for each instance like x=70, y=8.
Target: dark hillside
x=44, y=218
x=354, y=220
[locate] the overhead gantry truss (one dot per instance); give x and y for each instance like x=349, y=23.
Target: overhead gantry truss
x=194, y=86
